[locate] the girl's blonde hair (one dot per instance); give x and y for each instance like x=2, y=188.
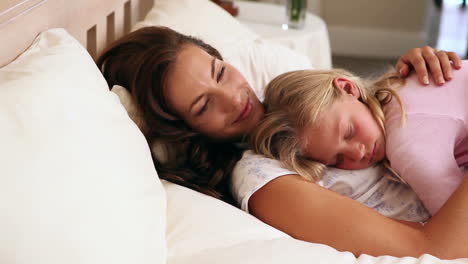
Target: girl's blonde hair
x=296, y=99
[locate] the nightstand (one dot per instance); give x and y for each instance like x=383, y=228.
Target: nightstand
x=267, y=21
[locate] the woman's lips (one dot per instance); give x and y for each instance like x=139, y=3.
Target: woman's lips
x=246, y=112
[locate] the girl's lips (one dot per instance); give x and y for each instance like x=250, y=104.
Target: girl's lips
x=246, y=112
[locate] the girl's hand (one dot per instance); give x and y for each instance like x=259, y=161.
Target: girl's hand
x=439, y=63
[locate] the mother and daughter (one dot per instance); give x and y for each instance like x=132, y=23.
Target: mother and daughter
x=205, y=110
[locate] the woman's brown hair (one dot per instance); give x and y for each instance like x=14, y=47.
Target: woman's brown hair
x=140, y=62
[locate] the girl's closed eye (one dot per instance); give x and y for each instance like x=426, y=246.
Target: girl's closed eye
x=349, y=133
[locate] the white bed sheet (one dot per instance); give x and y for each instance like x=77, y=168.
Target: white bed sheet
x=202, y=229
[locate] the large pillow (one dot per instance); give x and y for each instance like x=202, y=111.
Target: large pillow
x=260, y=62
x=77, y=183
x=199, y=18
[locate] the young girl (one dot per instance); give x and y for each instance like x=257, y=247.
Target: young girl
x=332, y=118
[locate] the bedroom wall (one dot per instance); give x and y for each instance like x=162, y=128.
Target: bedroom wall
x=4, y=4
x=14, y=8
x=392, y=15
x=377, y=28
x=369, y=28
x=90, y=29
x=314, y=6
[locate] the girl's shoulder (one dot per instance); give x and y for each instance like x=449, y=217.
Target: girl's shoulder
x=431, y=100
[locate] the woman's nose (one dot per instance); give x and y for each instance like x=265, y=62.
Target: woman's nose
x=230, y=98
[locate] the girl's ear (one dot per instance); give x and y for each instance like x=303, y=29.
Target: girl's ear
x=346, y=86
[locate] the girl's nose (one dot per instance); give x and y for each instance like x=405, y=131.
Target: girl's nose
x=357, y=152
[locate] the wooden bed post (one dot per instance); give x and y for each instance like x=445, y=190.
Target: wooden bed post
x=94, y=23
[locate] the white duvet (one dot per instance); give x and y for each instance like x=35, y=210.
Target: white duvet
x=205, y=230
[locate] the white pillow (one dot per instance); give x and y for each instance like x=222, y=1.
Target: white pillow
x=256, y=59
x=159, y=149
x=260, y=62
x=131, y=106
x=199, y=18
x=77, y=183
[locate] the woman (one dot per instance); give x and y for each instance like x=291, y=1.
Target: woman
x=203, y=106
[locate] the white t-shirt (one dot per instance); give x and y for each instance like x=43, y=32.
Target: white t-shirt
x=368, y=186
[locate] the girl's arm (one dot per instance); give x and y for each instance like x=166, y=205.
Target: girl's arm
x=312, y=213
x=426, y=58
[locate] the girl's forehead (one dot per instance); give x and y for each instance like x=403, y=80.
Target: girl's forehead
x=328, y=114
x=322, y=127
x=317, y=142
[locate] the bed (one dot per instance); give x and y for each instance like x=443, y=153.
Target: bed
x=77, y=184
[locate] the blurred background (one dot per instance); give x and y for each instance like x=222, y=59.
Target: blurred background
x=367, y=35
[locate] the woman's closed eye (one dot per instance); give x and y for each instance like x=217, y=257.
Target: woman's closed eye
x=220, y=74
x=203, y=108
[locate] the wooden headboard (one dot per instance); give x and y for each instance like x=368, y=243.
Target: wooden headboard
x=95, y=23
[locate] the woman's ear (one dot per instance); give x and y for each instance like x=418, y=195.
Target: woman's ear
x=346, y=86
